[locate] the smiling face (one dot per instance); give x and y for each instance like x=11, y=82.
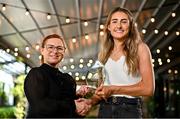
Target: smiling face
x=53, y=51
x=119, y=25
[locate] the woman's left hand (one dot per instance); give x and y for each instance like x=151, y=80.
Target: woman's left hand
x=104, y=91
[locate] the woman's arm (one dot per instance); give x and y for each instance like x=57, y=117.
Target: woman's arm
x=145, y=87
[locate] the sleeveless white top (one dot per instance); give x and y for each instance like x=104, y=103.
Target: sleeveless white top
x=116, y=73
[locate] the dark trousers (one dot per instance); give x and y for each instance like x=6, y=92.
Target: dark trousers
x=120, y=107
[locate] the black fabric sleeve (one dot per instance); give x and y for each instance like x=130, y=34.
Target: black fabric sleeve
x=36, y=88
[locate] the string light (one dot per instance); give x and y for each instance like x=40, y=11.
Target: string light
x=71, y=60
x=152, y=19
x=67, y=20
x=158, y=51
x=27, y=12
x=64, y=67
x=74, y=40
x=170, y=47
x=48, y=16
x=166, y=33
x=101, y=33
x=168, y=60
x=37, y=46
x=143, y=31
x=76, y=74
x=28, y=56
x=173, y=14
x=4, y=7
x=16, y=49
x=101, y=26
x=177, y=33
x=81, y=60
x=86, y=36
x=156, y=31
x=27, y=48
x=16, y=54
x=8, y=50
x=85, y=23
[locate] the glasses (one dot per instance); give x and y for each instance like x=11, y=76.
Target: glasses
x=60, y=49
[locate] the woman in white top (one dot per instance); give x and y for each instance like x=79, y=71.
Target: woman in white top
x=127, y=61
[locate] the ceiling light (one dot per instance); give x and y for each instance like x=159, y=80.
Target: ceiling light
x=90, y=61
x=67, y=20
x=8, y=50
x=83, y=77
x=101, y=33
x=3, y=7
x=160, y=63
x=153, y=60
x=143, y=31
x=81, y=60
x=159, y=60
x=64, y=67
x=16, y=49
x=176, y=71
x=156, y=31
x=76, y=74
x=27, y=48
x=177, y=33
x=173, y=14
x=70, y=73
x=101, y=26
x=86, y=36
x=28, y=56
x=48, y=16
x=77, y=78
x=168, y=60
x=152, y=19
x=88, y=64
x=74, y=40
x=169, y=71
x=71, y=60
x=80, y=65
x=16, y=54
x=72, y=66
x=170, y=47
x=85, y=23
x=158, y=51
x=27, y=12
x=37, y=46
x=40, y=57
x=166, y=33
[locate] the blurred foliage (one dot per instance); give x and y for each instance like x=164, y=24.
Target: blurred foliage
x=3, y=96
x=18, y=92
x=7, y=112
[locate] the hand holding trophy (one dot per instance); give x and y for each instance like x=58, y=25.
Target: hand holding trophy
x=95, y=77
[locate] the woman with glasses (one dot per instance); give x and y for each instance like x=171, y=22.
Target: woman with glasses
x=127, y=61
x=51, y=93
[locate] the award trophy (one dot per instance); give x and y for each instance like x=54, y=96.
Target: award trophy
x=95, y=77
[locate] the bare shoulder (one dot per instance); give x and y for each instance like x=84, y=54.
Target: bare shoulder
x=143, y=49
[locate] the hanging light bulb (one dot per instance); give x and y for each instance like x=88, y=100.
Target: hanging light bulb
x=101, y=26
x=143, y=31
x=86, y=36
x=85, y=23
x=152, y=19
x=173, y=14
x=4, y=7
x=74, y=40
x=48, y=16
x=166, y=33
x=67, y=20
x=27, y=12
x=156, y=31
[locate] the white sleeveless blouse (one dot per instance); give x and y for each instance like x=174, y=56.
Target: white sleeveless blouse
x=117, y=74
